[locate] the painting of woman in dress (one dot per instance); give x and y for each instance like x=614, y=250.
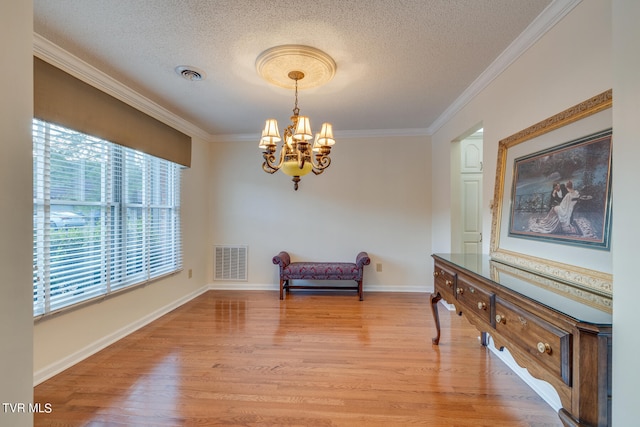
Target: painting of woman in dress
x=577, y=209
x=559, y=218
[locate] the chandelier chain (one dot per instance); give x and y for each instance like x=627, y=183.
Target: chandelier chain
x=296, y=110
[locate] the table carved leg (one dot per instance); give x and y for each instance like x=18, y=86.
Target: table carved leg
x=484, y=338
x=435, y=298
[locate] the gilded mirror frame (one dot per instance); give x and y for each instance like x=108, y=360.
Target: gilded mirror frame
x=569, y=121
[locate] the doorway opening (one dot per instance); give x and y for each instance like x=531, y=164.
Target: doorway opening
x=466, y=189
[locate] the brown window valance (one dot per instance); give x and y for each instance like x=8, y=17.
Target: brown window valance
x=63, y=99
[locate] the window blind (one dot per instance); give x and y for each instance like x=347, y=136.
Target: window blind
x=105, y=217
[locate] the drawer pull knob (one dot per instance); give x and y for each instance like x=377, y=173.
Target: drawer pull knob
x=482, y=306
x=460, y=291
x=501, y=319
x=448, y=282
x=436, y=274
x=544, y=347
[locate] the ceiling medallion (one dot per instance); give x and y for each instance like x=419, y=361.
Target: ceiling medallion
x=275, y=64
x=294, y=66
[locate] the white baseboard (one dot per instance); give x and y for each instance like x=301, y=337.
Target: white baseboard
x=448, y=306
x=59, y=366
x=244, y=286
x=397, y=288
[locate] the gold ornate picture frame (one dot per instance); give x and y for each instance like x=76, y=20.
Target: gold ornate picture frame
x=579, y=267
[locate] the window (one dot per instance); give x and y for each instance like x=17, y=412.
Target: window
x=105, y=217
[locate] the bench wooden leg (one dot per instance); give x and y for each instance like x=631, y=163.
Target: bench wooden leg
x=285, y=285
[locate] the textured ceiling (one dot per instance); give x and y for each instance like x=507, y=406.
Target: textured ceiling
x=400, y=63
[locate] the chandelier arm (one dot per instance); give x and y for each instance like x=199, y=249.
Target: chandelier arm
x=322, y=162
x=269, y=164
x=268, y=169
x=282, y=156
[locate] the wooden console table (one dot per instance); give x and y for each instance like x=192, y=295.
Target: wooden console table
x=560, y=333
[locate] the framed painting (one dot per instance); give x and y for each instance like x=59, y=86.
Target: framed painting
x=551, y=213
x=562, y=194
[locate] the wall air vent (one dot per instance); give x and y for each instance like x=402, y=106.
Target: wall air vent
x=230, y=263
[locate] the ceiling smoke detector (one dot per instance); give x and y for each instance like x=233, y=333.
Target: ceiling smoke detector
x=190, y=73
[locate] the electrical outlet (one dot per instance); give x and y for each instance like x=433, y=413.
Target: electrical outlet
x=190, y=273
x=379, y=267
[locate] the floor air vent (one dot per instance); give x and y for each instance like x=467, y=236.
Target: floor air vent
x=230, y=263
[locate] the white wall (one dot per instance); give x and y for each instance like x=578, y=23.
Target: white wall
x=61, y=340
x=16, y=111
x=626, y=232
x=374, y=197
x=592, y=49
x=569, y=64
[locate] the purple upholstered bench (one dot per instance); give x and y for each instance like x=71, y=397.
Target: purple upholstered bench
x=320, y=271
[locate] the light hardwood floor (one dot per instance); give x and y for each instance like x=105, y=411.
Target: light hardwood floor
x=245, y=358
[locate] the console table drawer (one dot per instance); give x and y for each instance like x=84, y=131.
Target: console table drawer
x=444, y=279
x=475, y=299
x=559, y=339
x=549, y=345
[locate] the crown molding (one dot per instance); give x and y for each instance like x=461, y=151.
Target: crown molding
x=55, y=55
x=377, y=133
x=538, y=27
x=344, y=134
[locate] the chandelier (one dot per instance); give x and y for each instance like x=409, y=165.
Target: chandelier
x=299, y=155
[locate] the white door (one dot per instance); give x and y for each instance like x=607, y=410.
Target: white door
x=471, y=193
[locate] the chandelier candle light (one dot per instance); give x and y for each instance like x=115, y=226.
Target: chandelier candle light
x=298, y=156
